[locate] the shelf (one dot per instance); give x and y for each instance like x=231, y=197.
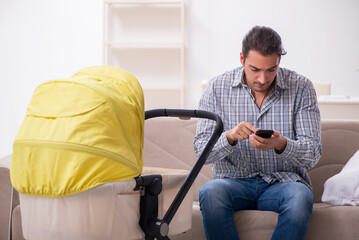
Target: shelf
x=144, y=25
x=146, y=38
x=145, y=45
x=144, y=2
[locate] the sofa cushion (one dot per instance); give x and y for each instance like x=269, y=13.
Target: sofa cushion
x=169, y=143
x=327, y=222
x=16, y=224
x=5, y=196
x=255, y=224
x=333, y=222
x=5, y=189
x=340, y=140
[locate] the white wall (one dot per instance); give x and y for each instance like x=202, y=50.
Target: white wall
x=41, y=40
x=320, y=36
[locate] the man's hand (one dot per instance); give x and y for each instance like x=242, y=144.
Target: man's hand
x=276, y=141
x=240, y=132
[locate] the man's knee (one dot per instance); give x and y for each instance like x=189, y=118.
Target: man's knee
x=300, y=194
x=213, y=190
x=298, y=200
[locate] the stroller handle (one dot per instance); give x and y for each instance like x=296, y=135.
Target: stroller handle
x=182, y=113
x=187, y=114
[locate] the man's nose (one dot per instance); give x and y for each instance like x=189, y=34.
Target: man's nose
x=262, y=77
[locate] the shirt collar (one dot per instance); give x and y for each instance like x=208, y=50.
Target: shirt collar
x=238, y=79
x=280, y=79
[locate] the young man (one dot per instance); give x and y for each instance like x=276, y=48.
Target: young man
x=251, y=172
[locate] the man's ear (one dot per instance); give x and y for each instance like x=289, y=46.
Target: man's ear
x=242, y=58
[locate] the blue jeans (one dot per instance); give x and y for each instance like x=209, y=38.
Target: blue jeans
x=220, y=198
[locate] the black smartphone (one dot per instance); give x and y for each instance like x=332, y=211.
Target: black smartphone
x=264, y=133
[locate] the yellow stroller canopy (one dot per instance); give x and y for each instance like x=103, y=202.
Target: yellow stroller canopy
x=79, y=133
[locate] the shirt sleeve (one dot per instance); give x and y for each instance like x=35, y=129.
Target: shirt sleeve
x=205, y=129
x=305, y=150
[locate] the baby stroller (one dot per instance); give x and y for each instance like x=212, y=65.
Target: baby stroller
x=77, y=162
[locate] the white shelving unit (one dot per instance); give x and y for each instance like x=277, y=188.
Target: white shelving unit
x=146, y=38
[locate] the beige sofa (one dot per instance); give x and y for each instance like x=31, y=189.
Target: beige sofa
x=168, y=143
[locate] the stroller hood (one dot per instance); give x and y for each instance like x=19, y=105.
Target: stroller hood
x=79, y=133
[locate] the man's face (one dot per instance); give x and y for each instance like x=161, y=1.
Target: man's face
x=260, y=70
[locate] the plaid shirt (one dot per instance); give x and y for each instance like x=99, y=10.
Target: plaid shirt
x=290, y=108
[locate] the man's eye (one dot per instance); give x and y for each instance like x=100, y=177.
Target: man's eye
x=255, y=70
x=271, y=70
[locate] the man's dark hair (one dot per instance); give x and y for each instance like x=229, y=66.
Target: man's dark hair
x=264, y=40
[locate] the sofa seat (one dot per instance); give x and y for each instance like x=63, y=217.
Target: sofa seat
x=327, y=222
